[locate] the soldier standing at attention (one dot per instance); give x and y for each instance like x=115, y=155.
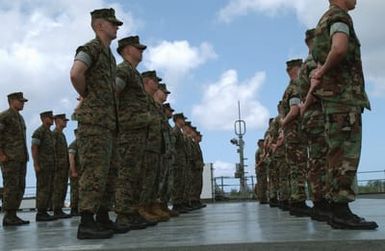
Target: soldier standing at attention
x=338, y=82
x=294, y=141
x=260, y=172
x=154, y=149
x=134, y=120
x=62, y=167
x=93, y=76
x=73, y=156
x=43, y=154
x=197, y=172
x=179, y=164
x=13, y=158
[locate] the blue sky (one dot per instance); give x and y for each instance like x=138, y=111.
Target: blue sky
x=210, y=53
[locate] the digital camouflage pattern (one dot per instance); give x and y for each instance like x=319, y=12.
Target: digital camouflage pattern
x=99, y=105
x=74, y=181
x=188, y=169
x=46, y=158
x=196, y=173
x=273, y=169
x=13, y=144
x=180, y=165
x=260, y=171
x=61, y=170
x=134, y=121
x=99, y=163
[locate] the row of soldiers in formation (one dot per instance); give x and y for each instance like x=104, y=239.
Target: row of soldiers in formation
x=126, y=157
x=316, y=136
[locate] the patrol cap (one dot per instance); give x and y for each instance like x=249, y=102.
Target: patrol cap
x=150, y=74
x=168, y=106
x=131, y=40
x=178, y=116
x=46, y=114
x=188, y=123
x=292, y=63
x=61, y=116
x=260, y=141
x=309, y=34
x=106, y=14
x=163, y=87
x=17, y=95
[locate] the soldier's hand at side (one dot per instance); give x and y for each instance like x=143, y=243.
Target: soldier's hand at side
x=3, y=157
x=37, y=168
x=74, y=174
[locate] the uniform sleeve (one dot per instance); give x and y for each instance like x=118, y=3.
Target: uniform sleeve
x=84, y=57
x=88, y=53
x=339, y=27
x=37, y=137
x=294, y=97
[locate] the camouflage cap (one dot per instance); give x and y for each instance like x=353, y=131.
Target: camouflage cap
x=131, y=40
x=168, y=106
x=46, y=114
x=179, y=116
x=187, y=123
x=17, y=95
x=309, y=34
x=163, y=87
x=292, y=63
x=106, y=14
x=260, y=141
x=61, y=116
x=150, y=74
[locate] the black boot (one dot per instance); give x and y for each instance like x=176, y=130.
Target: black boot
x=343, y=218
x=88, y=229
x=10, y=219
x=273, y=202
x=59, y=214
x=42, y=215
x=299, y=209
x=104, y=221
x=284, y=205
x=179, y=208
x=321, y=211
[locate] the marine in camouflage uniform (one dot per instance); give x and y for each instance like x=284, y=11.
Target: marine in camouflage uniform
x=339, y=83
x=272, y=167
x=154, y=148
x=74, y=162
x=43, y=153
x=93, y=76
x=13, y=158
x=61, y=167
x=260, y=172
x=294, y=141
x=313, y=127
x=197, y=172
x=188, y=141
x=134, y=121
x=180, y=163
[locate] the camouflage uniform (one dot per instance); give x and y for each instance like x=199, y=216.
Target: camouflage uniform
x=188, y=169
x=295, y=148
x=61, y=170
x=313, y=127
x=134, y=121
x=13, y=144
x=97, y=130
x=44, y=139
x=343, y=97
x=167, y=160
x=179, y=166
x=74, y=181
x=272, y=167
x=196, y=174
x=154, y=147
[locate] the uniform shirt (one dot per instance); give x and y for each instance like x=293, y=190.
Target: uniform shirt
x=180, y=147
x=73, y=149
x=61, y=149
x=291, y=97
x=99, y=104
x=44, y=139
x=12, y=135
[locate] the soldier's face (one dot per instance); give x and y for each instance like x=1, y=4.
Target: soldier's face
x=18, y=104
x=350, y=4
x=110, y=29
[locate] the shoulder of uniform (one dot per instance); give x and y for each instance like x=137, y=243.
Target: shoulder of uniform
x=92, y=48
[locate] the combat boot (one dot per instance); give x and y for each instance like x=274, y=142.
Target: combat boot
x=148, y=223
x=103, y=221
x=42, y=215
x=172, y=213
x=273, y=202
x=130, y=222
x=321, y=211
x=10, y=219
x=343, y=218
x=284, y=205
x=145, y=212
x=179, y=208
x=59, y=214
x=299, y=209
x=156, y=210
x=88, y=229
x=74, y=212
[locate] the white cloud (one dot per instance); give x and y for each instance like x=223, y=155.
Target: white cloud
x=367, y=15
x=222, y=168
x=39, y=39
x=176, y=59
x=218, y=109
